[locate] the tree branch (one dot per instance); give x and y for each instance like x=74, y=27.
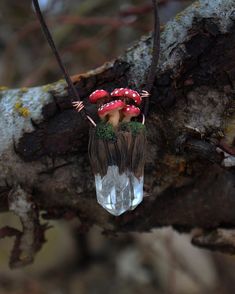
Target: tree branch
x=191, y=131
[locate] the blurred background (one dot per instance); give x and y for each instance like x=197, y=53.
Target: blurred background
x=89, y=33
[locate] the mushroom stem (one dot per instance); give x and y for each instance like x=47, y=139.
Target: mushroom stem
x=114, y=118
x=130, y=111
x=126, y=119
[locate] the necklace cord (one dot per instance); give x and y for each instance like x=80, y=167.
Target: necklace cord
x=152, y=68
x=49, y=38
x=155, y=55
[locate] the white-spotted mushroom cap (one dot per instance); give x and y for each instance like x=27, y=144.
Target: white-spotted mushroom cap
x=127, y=93
x=110, y=107
x=97, y=95
x=130, y=111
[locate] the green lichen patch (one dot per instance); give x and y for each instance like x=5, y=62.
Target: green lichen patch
x=3, y=88
x=23, y=111
x=105, y=131
x=47, y=88
x=24, y=89
x=134, y=127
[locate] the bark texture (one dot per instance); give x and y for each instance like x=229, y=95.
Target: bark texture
x=190, y=169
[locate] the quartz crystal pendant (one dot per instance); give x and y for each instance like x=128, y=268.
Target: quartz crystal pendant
x=117, y=192
x=117, y=159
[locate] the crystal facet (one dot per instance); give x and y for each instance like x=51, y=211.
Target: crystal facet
x=117, y=192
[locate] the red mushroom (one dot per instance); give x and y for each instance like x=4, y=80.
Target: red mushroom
x=99, y=96
x=127, y=94
x=111, y=110
x=130, y=111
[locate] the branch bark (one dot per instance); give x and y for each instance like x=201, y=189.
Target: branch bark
x=189, y=176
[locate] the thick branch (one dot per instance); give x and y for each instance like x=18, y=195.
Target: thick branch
x=191, y=129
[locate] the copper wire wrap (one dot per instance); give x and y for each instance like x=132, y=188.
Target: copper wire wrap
x=79, y=106
x=144, y=94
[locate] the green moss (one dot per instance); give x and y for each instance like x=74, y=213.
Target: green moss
x=133, y=126
x=105, y=131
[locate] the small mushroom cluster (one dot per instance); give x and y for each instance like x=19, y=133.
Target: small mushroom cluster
x=121, y=105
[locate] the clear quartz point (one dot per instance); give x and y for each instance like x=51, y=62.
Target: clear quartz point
x=118, y=193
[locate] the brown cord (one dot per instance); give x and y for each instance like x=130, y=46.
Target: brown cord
x=152, y=70
x=155, y=56
x=73, y=90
